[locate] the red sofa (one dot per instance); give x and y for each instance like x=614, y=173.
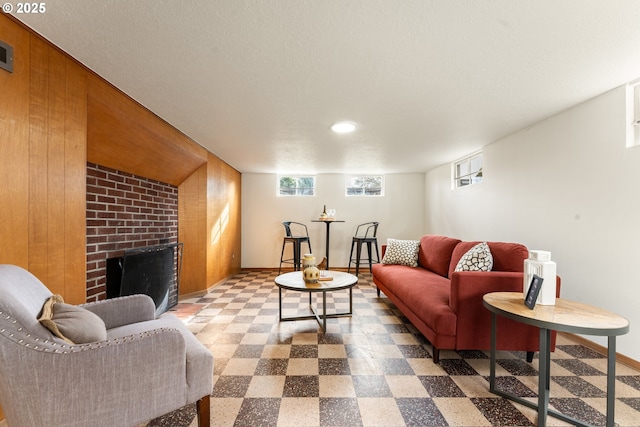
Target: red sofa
x=446, y=306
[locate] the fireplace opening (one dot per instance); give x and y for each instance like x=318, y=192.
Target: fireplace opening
x=152, y=270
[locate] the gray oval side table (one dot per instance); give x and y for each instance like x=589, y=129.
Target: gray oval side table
x=564, y=316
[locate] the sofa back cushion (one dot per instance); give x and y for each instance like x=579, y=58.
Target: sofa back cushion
x=435, y=253
x=506, y=256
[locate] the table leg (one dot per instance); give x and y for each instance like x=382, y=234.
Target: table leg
x=296, y=257
x=280, y=302
x=324, y=312
x=544, y=376
x=327, y=244
x=611, y=381
x=492, y=365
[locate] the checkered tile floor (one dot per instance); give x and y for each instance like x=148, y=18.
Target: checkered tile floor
x=374, y=368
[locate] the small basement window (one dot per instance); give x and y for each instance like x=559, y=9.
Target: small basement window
x=296, y=186
x=364, y=185
x=467, y=171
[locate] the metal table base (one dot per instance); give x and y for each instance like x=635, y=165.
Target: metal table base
x=321, y=318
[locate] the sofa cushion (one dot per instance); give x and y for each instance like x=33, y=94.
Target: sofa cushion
x=424, y=292
x=73, y=324
x=506, y=256
x=432, y=307
x=435, y=253
x=401, y=252
x=478, y=258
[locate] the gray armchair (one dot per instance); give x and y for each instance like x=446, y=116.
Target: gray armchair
x=145, y=368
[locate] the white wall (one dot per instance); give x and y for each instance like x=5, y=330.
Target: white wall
x=568, y=185
x=400, y=213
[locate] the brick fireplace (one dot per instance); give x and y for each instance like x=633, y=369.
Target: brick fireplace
x=125, y=211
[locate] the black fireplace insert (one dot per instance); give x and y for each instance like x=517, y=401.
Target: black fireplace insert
x=152, y=270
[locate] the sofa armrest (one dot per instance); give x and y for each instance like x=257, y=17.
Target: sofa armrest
x=123, y=310
x=474, y=320
x=468, y=287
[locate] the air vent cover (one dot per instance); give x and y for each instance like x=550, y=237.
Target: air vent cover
x=6, y=56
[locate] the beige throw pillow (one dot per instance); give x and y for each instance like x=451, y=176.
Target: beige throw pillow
x=73, y=324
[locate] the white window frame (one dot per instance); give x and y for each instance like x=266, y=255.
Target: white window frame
x=466, y=171
x=299, y=191
x=348, y=186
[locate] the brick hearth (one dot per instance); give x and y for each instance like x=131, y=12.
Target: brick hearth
x=124, y=211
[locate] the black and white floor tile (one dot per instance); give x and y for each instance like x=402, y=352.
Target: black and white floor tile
x=373, y=368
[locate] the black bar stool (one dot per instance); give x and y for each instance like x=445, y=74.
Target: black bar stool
x=295, y=233
x=365, y=234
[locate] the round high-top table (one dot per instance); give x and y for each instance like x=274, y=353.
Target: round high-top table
x=564, y=316
x=293, y=281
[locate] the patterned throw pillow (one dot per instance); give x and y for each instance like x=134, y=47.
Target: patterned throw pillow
x=402, y=252
x=478, y=258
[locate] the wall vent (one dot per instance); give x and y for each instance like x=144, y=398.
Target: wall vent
x=6, y=56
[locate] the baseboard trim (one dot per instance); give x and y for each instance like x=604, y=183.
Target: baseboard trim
x=620, y=358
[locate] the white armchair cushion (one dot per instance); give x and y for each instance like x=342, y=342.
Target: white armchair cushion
x=73, y=324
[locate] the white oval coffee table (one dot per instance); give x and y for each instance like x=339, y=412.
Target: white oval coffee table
x=293, y=281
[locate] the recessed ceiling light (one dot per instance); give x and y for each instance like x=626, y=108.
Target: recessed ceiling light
x=343, y=127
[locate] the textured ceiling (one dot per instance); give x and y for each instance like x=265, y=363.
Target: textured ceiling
x=258, y=83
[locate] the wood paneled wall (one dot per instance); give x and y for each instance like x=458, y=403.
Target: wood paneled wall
x=223, y=220
x=123, y=135
x=192, y=228
x=57, y=170
x=43, y=163
x=54, y=116
x=14, y=148
x=209, y=217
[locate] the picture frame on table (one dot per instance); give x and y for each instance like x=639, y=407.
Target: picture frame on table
x=534, y=290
